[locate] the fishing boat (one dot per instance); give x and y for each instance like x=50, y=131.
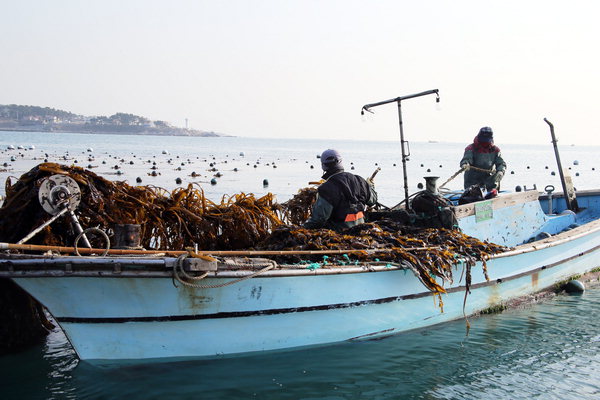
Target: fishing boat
x=133, y=307
x=136, y=305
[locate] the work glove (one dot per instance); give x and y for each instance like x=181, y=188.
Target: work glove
x=498, y=176
x=465, y=166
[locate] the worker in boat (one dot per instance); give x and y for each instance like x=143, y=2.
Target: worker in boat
x=480, y=155
x=342, y=198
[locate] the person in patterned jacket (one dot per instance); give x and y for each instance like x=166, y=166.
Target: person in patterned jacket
x=483, y=154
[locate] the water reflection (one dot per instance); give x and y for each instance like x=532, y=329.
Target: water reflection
x=545, y=348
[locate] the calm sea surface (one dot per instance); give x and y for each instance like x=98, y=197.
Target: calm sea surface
x=544, y=350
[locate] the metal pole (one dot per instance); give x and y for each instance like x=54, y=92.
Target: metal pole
x=404, y=157
x=403, y=143
x=570, y=206
x=78, y=228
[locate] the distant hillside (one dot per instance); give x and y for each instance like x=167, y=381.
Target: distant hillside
x=33, y=118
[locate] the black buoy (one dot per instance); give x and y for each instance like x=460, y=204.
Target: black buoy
x=265, y=182
x=352, y=167
x=235, y=169
x=518, y=189
x=428, y=170
x=178, y=181
x=552, y=173
x=574, y=286
x=420, y=185
x=512, y=172
x=312, y=167
x=213, y=181
x=576, y=173
x=138, y=179
x=153, y=173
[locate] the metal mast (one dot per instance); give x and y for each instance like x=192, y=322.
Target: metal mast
x=403, y=143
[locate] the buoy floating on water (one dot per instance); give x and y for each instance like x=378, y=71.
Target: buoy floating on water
x=574, y=286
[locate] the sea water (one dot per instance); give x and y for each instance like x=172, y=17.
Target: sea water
x=548, y=350
x=545, y=350
x=286, y=164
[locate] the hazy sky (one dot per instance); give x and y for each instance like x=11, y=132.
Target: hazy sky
x=286, y=68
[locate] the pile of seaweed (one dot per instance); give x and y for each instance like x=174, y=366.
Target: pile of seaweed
x=169, y=220
x=185, y=217
x=431, y=253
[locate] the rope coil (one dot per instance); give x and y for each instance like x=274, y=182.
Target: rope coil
x=187, y=277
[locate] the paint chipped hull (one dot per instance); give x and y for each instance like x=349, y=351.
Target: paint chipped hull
x=136, y=312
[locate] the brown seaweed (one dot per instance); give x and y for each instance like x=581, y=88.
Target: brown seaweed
x=185, y=217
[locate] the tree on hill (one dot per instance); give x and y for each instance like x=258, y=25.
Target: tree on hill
x=17, y=112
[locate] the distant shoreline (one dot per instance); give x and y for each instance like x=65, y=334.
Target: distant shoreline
x=140, y=133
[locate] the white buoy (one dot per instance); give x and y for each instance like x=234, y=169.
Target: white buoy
x=90, y=150
x=10, y=147
x=165, y=152
x=575, y=162
x=31, y=147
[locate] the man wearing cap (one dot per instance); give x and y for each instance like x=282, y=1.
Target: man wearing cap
x=342, y=198
x=483, y=154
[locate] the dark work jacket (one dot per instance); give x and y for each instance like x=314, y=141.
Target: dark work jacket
x=485, y=158
x=341, y=201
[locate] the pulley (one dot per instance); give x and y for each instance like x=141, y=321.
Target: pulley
x=59, y=192
x=59, y=195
